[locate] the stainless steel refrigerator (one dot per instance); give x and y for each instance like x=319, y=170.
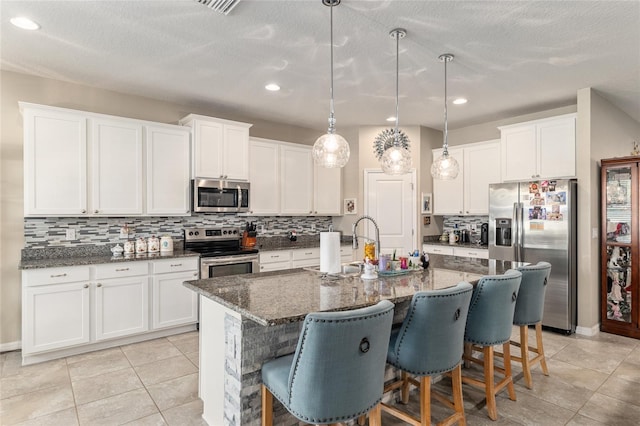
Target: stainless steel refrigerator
x=536, y=221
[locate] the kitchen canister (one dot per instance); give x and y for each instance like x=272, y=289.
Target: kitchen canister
x=153, y=244
x=129, y=247
x=141, y=245
x=166, y=244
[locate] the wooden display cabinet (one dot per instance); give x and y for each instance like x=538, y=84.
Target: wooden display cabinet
x=620, y=301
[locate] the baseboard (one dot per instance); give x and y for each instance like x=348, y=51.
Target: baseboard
x=588, y=331
x=11, y=346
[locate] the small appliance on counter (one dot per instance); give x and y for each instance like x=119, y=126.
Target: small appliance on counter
x=153, y=244
x=166, y=244
x=249, y=235
x=484, y=234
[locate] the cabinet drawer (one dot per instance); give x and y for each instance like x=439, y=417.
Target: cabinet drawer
x=438, y=249
x=122, y=269
x=175, y=265
x=304, y=254
x=275, y=256
x=275, y=266
x=67, y=274
x=469, y=252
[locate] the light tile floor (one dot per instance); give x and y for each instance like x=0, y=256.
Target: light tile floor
x=593, y=381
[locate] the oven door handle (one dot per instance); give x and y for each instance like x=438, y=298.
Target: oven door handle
x=228, y=260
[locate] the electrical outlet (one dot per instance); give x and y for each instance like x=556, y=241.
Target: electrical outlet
x=70, y=234
x=313, y=226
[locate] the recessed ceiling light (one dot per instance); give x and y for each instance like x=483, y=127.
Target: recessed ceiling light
x=391, y=119
x=24, y=23
x=460, y=101
x=272, y=87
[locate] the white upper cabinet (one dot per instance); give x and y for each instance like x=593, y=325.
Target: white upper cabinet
x=55, y=162
x=220, y=147
x=468, y=193
x=264, y=167
x=539, y=149
x=116, y=167
x=448, y=194
x=327, y=191
x=285, y=181
x=79, y=163
x=168, y=158
x=296, y=180
x=481, y=168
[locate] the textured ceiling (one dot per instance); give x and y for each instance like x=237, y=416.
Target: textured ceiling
x=512, y=57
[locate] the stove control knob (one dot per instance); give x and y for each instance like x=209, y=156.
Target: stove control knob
x=190, y=232
x=197, y=233
x=235, y=231
x=224, y=232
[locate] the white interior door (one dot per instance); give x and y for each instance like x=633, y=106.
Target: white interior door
x=391, y=202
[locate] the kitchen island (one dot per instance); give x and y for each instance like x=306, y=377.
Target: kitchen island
x=248, y=319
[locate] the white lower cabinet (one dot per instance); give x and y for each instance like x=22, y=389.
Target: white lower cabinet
x=436, y=249
x=55, y=316
x=277, y=260
x=454, y=250
x=76, y=309
x=173, y=304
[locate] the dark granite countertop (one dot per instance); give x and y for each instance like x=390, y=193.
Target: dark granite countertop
x=280, y=297
x=97, y=258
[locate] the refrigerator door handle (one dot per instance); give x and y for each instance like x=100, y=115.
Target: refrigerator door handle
x=516, y=233
x=520, y=232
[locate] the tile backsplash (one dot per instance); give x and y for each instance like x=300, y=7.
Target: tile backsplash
x=51, y=231
x=459, y=222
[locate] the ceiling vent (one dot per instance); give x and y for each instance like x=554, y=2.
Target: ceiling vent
x=222, y=6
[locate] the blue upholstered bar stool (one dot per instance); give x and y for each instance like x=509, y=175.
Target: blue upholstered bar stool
x=529, y=310
x=430, y=342
x=489, y=323
x=337, y=370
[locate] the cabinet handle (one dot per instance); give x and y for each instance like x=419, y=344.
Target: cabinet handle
x=309, y=253
x=59, y=275
x=225, y=176
x=99, y=285
x=275, y=256
x=96, y=211
x=176, y=264
x=467, y=211
x=84, y=211
x=195, y=274
x=86, y=286
x=122, y=270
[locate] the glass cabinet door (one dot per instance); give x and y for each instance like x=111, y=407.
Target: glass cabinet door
x=618, y=211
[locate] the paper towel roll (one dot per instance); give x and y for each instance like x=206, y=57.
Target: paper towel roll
x=330, y=252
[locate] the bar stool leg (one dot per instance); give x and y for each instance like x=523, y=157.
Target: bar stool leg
x=404, y=391
x=267, y=407
x=375, y=416
x=524, y=355
x=543, y=360
x=490, y=391
x=507, y=370
x=456, y=383
x=425, y=400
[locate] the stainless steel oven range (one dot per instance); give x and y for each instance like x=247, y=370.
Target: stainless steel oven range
x=221, y=252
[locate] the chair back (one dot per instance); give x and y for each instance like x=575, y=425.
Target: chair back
x=338, y=367
x=491, y=310
x=530, y=303
x=431, y=338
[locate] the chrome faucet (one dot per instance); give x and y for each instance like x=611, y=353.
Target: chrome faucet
x=355, y=236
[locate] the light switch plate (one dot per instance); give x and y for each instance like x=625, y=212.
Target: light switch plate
x=70, y=234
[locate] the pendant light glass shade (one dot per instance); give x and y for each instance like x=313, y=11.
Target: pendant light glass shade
x=396, y=160
x=331, y=150
x=445, y=167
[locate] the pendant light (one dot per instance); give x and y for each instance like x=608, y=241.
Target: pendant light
x=396, y=159
x=331, y=150
x=445, y=167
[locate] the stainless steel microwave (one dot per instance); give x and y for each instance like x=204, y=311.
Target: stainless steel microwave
x=224, y=196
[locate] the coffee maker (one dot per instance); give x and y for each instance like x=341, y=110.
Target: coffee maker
x=484, y=234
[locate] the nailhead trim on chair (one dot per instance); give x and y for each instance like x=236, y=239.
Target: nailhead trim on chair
x=410, y=316
x=295, y=370
x=474, y=301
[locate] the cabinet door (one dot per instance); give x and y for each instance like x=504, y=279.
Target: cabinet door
x=235, y=153
x=519, y=152
x=208, y=138
x=448, y=194
x=296, y=180
x=557, y=147
x=55, y=316
x=55, y=163
x=167, y=171
x=116, y=167
x=327, y=194
x=121, y=307
x=481, y=168
x=173, y=304
x=264, y=177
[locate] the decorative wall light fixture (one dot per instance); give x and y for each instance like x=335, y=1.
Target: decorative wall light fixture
x=395, y=158
x=445, y=167
x=331, y=150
